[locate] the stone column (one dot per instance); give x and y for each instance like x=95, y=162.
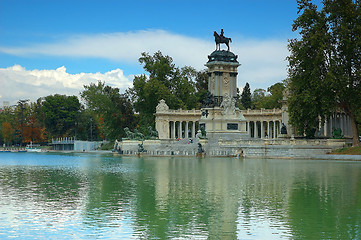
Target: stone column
x=186, y=131
x=255, y=129
x=325, y=125
x=274, y=129
x=342, y=124
x=179, y=129
x=262, y=130
x=173, y=130
x=194, y=129
x=349, y=125
x=248, y=128
x=268, y=131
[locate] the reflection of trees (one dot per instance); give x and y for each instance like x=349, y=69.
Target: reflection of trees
x=325, y=202
x=189, y=197
x=45, y=187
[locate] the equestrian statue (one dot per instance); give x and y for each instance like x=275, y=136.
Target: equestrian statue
x=219, y=38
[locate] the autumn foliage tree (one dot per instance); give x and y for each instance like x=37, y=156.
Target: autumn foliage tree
x=7, y=132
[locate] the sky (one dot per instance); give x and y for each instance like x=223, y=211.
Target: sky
x=56, y=47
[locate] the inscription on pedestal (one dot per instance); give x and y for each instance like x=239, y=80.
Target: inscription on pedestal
x=232, y=126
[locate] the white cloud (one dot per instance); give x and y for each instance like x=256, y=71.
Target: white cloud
x=263, y=61
x=18, y=83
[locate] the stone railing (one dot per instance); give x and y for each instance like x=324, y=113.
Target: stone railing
x=181, y=111
x=262, y=111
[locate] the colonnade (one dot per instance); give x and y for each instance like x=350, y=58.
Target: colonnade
x=182, y=129
x=337, y=120
x=263, y=129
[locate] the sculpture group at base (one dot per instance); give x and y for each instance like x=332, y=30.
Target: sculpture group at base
x=136, y=135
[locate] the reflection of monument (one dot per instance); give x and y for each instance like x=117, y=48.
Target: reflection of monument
x=223, y=119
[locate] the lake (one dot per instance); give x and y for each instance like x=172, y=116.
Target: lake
x=105, y=196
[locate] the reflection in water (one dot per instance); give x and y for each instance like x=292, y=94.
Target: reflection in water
x=104, y=196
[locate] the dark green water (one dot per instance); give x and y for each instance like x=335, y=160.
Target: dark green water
x=85, y=196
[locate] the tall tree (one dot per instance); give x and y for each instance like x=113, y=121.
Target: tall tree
x=7, y=132
x=201, y=86
x=258, y=97
x=325, y=64
x=60, y=114
x=21, y=109
x=165, y=81
x=246, y=97
x=112, y=111
x=7, y=125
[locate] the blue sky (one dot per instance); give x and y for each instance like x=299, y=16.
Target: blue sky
x=49, y=47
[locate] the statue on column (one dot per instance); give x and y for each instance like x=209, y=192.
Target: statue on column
x=220, y=38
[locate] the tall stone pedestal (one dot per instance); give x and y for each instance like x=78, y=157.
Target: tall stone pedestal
x=222, y=125
x=221, y=119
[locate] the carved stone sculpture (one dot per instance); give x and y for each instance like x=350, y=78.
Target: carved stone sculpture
x=229, y=105
x=162, y=106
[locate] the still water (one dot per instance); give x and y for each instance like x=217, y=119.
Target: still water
x=89, y=196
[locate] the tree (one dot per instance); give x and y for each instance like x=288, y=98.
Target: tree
x=246, y=97
x=325, y=64
x=21, y=110
x=273, y=100
x=165, y=81
x=112, y=111
x=60, y=114
x=7, y=125
x=7, y=132
x=201, y=87
x=257, y=98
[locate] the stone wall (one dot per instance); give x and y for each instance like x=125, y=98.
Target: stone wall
x=275, y=148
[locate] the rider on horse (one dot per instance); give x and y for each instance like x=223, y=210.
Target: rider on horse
x=221, y=39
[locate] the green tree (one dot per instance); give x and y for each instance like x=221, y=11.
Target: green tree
x=246, y=97
x=165, y=81
x=201, y=87
x=258, y=97
x=7, y=132
x=22, y=112
x=112, y=111
x=273, y=100
x=60, y=114
x=7, y=125
x=325, y=64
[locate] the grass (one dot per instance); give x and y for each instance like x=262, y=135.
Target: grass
x=348, y=151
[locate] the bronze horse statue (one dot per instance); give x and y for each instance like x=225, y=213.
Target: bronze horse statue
x=221, y=39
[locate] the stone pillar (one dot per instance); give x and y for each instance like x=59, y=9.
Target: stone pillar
x=172, y=130
x=274, y=129
x=179, y=129
x=342, y=124
x=175, y=129
x=349, y=125
x=262, y=130
x=268, y=131
x=255, y=129
x=249, y=128
x=194, y=129
x=325, y=126
x=186, y=131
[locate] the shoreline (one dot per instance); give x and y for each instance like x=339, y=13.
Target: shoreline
x=344, y=157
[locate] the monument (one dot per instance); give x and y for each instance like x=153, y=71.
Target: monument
x=220, y=116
